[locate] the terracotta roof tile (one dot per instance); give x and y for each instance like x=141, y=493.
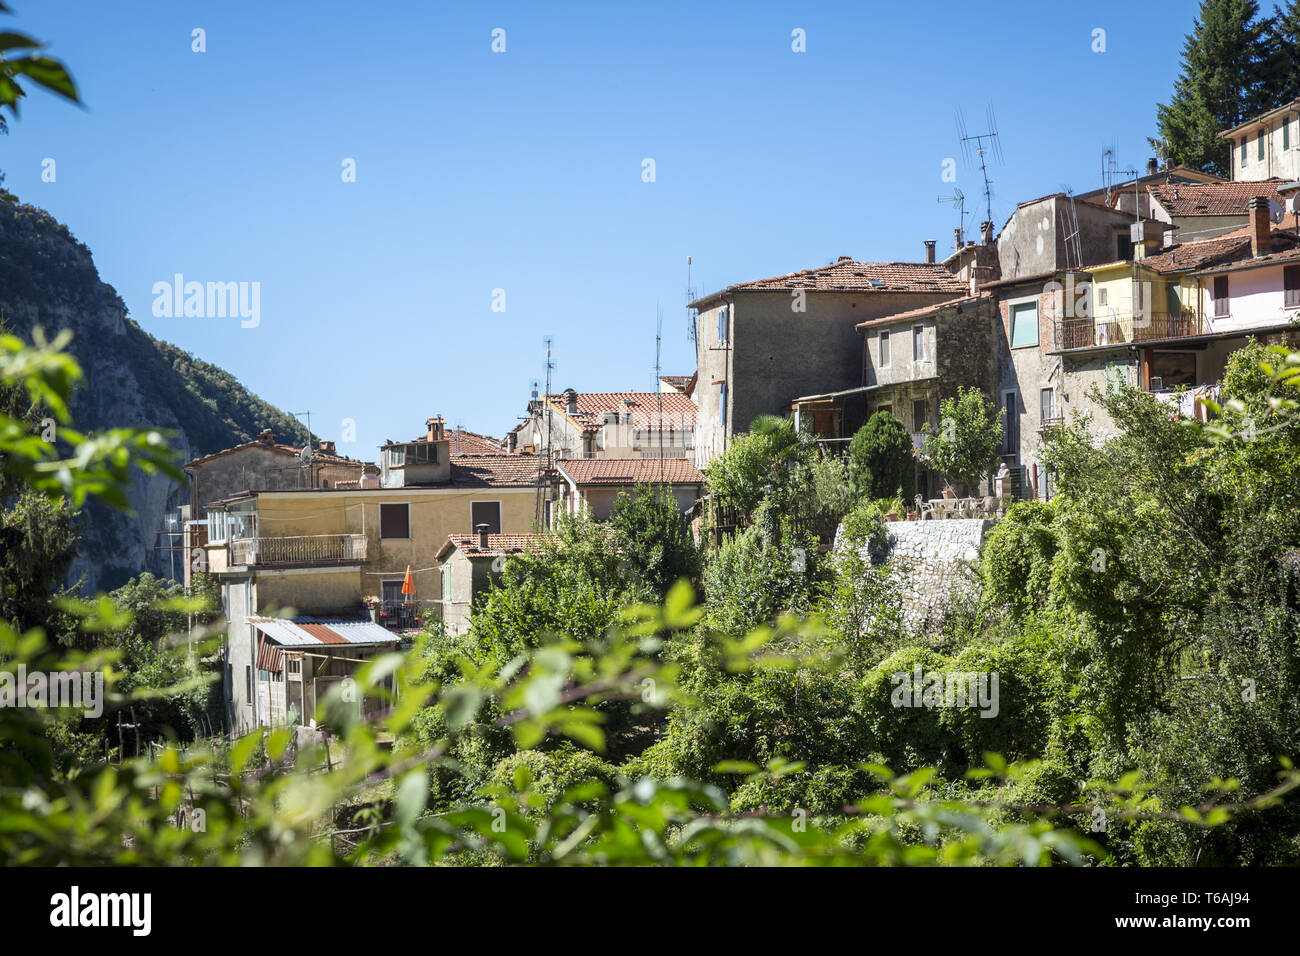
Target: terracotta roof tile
x=678, y=409
x=849, y=275
x=629, y=471
x=494, y=471
x=317, y=455
x=1210, y=199
x=922, y=311
x=498, y=544
x=469, y=443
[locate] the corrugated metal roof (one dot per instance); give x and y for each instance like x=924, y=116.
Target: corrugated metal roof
x=310, y=631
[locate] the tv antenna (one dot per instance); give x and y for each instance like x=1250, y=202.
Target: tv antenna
x=659, y=388
x=543, y=471
x=1110, y=173
x=690, y=297
x=987, y=145
x=958, y=199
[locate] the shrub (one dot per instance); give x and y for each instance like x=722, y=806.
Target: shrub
x=881, y=458
x=1016, y=564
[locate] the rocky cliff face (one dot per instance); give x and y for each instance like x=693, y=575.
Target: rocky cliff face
x=48, y=278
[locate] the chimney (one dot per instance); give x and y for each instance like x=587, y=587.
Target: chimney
x=434, y=428
x=482, y=530
x=986, y=233
x=326, y=447
x=1261, y=232
x=571, y=401
x=266, y=436
x=956, y=239
x=929, y=250
x=1153, y=166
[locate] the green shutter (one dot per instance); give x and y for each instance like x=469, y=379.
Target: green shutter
x=1243, y=151
x=1260, y=140
x=1024, y=325
x=1286, y=133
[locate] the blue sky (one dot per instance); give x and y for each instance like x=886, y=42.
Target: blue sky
x=522, y=170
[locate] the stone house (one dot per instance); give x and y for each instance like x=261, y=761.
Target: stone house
x=469, y=563
x=760, y=344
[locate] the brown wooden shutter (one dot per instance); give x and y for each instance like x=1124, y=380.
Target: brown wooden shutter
x=485, y=512
x=394, y=521
x=1291, y=285
x=1220, y=295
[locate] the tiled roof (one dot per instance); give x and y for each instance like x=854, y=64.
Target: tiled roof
x=1210, y=199
x=317, y=455
x=849, y=275
x=592, y=406
x=498, y=544
x=629, y=471
x=470, y=443
x=1247, y=261
x=922, y=311
x=494, y=471
x=1184, y=256
x=679, y=382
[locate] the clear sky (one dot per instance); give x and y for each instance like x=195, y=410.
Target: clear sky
x=523, y=170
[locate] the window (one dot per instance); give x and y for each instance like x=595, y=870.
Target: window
x=1024, y=325
x=390, y=592
x=446, y=584
x=1260, y=140
x=883, y=349
x=1173, y=298
x=294, y=664
x=1123, y=246
x=1172, y=369
x=722, y=404
x=1047, y=404
x=920, y=414
x=1243, y=152
x=248, y=683
x=1291, y=286
x=722, y=324
x=1101, y=296
x=394, y=520
x=918, y=343
x=1286, y=133
x=485, y=512
x=1220, y=296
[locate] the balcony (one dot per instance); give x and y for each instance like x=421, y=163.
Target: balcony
x=1119, y=329
x=299, y=550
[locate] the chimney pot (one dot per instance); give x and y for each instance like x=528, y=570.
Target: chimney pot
x=434, y=428
x=1153, y=166
x=986, y=232
x=571, y=401
x=482, y=530
x=929, y=250
x=266, y=436
x=956, y=239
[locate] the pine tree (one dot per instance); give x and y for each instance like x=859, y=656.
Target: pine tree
x=1225, y=79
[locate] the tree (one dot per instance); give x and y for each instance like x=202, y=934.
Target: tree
x=1284, y=65
x=763, y=459
x=965, y=445
x=654, y=539
x=1225, y=80
x=881, y=458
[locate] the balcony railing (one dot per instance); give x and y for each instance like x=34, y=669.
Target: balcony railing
x=1090, y=331
x=299, y=550
x=918, y=441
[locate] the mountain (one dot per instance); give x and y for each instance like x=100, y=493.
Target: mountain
x=48, y=278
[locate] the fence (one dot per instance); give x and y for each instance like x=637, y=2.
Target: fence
x=299, y=549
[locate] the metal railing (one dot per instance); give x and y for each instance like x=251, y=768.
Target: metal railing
x=299, y=549
x=1091, y=331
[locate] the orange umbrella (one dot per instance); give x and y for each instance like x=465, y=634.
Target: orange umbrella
x=408, y=586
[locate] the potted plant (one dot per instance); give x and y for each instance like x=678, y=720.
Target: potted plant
x=949, y=491
x=372, y=604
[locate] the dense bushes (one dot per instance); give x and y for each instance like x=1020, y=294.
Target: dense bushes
x=880, y=459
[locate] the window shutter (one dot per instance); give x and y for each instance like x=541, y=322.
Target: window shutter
x=1220, y=295
x=722, y=323
x=485, y=512
x=1291, y=285
x=394, y=520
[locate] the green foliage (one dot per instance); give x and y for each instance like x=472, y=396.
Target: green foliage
x=965, y=445
x=654, y=539
x=753, y=578
x=861, y=605
x=1224, y=80
x=881, y=459
x=1016, y=565
x=18, y=59
x=757, y=462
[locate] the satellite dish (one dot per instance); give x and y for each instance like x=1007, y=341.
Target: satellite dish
x=1276, y=210
x=304, y=456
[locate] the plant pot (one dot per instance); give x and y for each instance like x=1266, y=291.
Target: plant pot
x=374, y=614
x=891, y=516
x=949, y=492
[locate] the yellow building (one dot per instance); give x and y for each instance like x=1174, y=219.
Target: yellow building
x=340, y=555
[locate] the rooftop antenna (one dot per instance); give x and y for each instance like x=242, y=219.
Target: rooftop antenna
x=659, y=388
x=460, y=427
x=987, y=145
x=690, y=297
x=544, y=471
x=1111, y=171
x=958, y=199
